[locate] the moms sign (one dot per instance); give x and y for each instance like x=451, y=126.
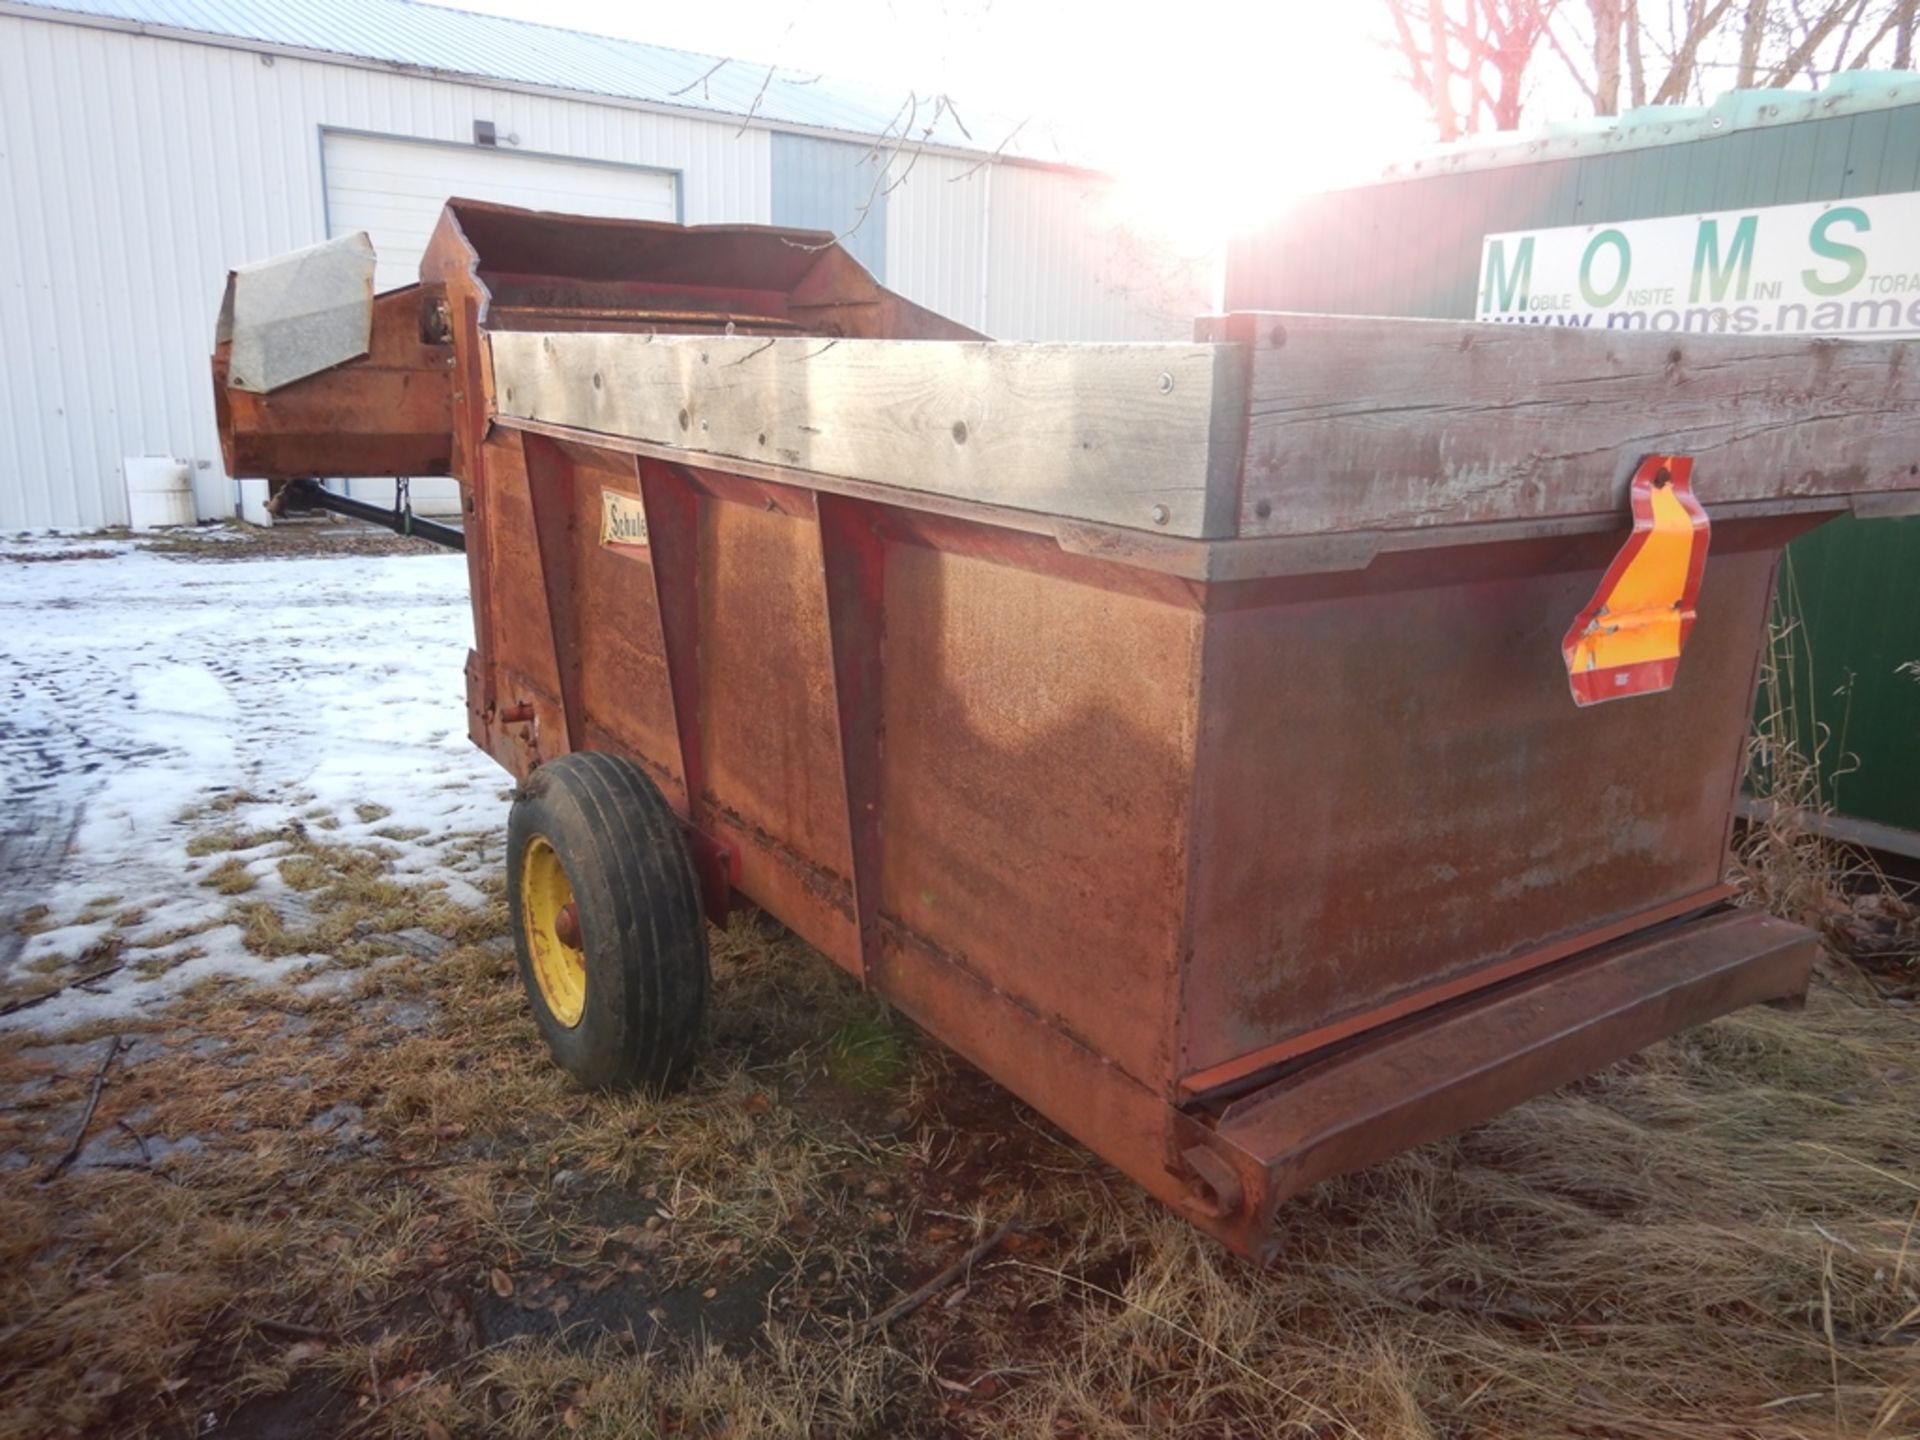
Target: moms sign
x=1841, y=267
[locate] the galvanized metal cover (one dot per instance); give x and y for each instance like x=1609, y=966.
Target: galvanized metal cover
x=298, y=314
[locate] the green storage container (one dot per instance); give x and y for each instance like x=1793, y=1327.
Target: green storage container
x=1411, y=244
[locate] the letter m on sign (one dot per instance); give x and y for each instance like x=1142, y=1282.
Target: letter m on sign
x=1504, y=287
x=1710, y=271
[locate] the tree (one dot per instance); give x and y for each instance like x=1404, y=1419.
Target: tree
x=1474, y=61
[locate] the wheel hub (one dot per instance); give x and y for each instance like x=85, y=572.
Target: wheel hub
x=551, y=924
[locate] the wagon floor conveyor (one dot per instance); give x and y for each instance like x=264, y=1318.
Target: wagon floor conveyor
x=1260, y=753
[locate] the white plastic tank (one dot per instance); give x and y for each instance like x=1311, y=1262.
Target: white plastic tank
x=159, y=491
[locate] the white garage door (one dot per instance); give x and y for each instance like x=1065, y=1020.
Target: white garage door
x=393, y=189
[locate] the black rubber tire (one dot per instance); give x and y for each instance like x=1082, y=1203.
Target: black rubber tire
x=642, y=929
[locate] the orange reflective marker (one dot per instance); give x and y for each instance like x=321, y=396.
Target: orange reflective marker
x=1628, y=639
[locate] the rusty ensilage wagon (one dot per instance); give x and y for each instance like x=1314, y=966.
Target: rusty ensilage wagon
x=1205, y=739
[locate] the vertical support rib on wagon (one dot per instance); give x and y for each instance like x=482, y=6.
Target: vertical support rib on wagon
x=853, y=563
x=673, y=535
x=550, y=487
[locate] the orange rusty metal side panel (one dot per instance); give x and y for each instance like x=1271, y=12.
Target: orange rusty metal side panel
x=522, y=631
x=624, y=687
x=767, y=720
x=390, y=413
x=773, y=757
x=547, y=271
x=1394, y=791
x=448, y=264
x=1038, y=759
x=1230, y=1074
x=810, y=901
x=1119, y=1117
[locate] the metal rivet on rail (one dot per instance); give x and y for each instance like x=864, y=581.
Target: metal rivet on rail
x=1166, y=383
x=1161, y=514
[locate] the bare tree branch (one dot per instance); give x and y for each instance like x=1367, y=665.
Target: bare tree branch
x=1608, y=16
x=1753, y=33
x=1442, y=66
x=986, y=160
x=1680, y=75
x=1805, y=51
x=1847, y=32
x=758, y=96
x=1410, y=48
x=701, y=82
x=1586, y=87
x=1896, y=15
x=1636, y=62
x=1468, y=59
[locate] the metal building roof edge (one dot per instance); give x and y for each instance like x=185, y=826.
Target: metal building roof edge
x=1853, y=93
x=54, y=13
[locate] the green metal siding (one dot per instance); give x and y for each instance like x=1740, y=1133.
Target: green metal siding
x=1858, y=585
x=1412, y=247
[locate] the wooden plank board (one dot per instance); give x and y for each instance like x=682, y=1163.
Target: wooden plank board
x=1365, y=424
x=1142, y=435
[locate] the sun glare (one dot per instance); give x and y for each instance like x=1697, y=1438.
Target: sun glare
x=1261, y=105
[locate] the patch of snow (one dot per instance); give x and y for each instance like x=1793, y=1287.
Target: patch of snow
x=45, y=544
x=70, y=941
x=141, y=689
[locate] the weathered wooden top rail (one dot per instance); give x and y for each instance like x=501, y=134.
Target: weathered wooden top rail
x=1270, y=426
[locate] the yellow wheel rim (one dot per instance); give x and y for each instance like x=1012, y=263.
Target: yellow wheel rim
x=547, y=912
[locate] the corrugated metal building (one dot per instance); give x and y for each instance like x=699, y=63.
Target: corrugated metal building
x=146, y=146
x=1419, y=242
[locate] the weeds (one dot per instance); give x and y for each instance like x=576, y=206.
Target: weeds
x=1789, y=860
x=227, y=838
x=379, y=1205
x=230, y=877
x=396, y=1200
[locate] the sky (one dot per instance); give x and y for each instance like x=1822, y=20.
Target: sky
x=1214, y=111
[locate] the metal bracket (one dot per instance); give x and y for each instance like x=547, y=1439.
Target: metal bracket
x=1221, y=1193
x=1627, y=640
x=716, y=865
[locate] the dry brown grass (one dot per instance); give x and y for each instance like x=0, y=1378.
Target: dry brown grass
x=227, y=838
x=1789, y=860
x=1709, y=1240
x=1716, y=1238
x=462, y=1153
x=229, y=877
